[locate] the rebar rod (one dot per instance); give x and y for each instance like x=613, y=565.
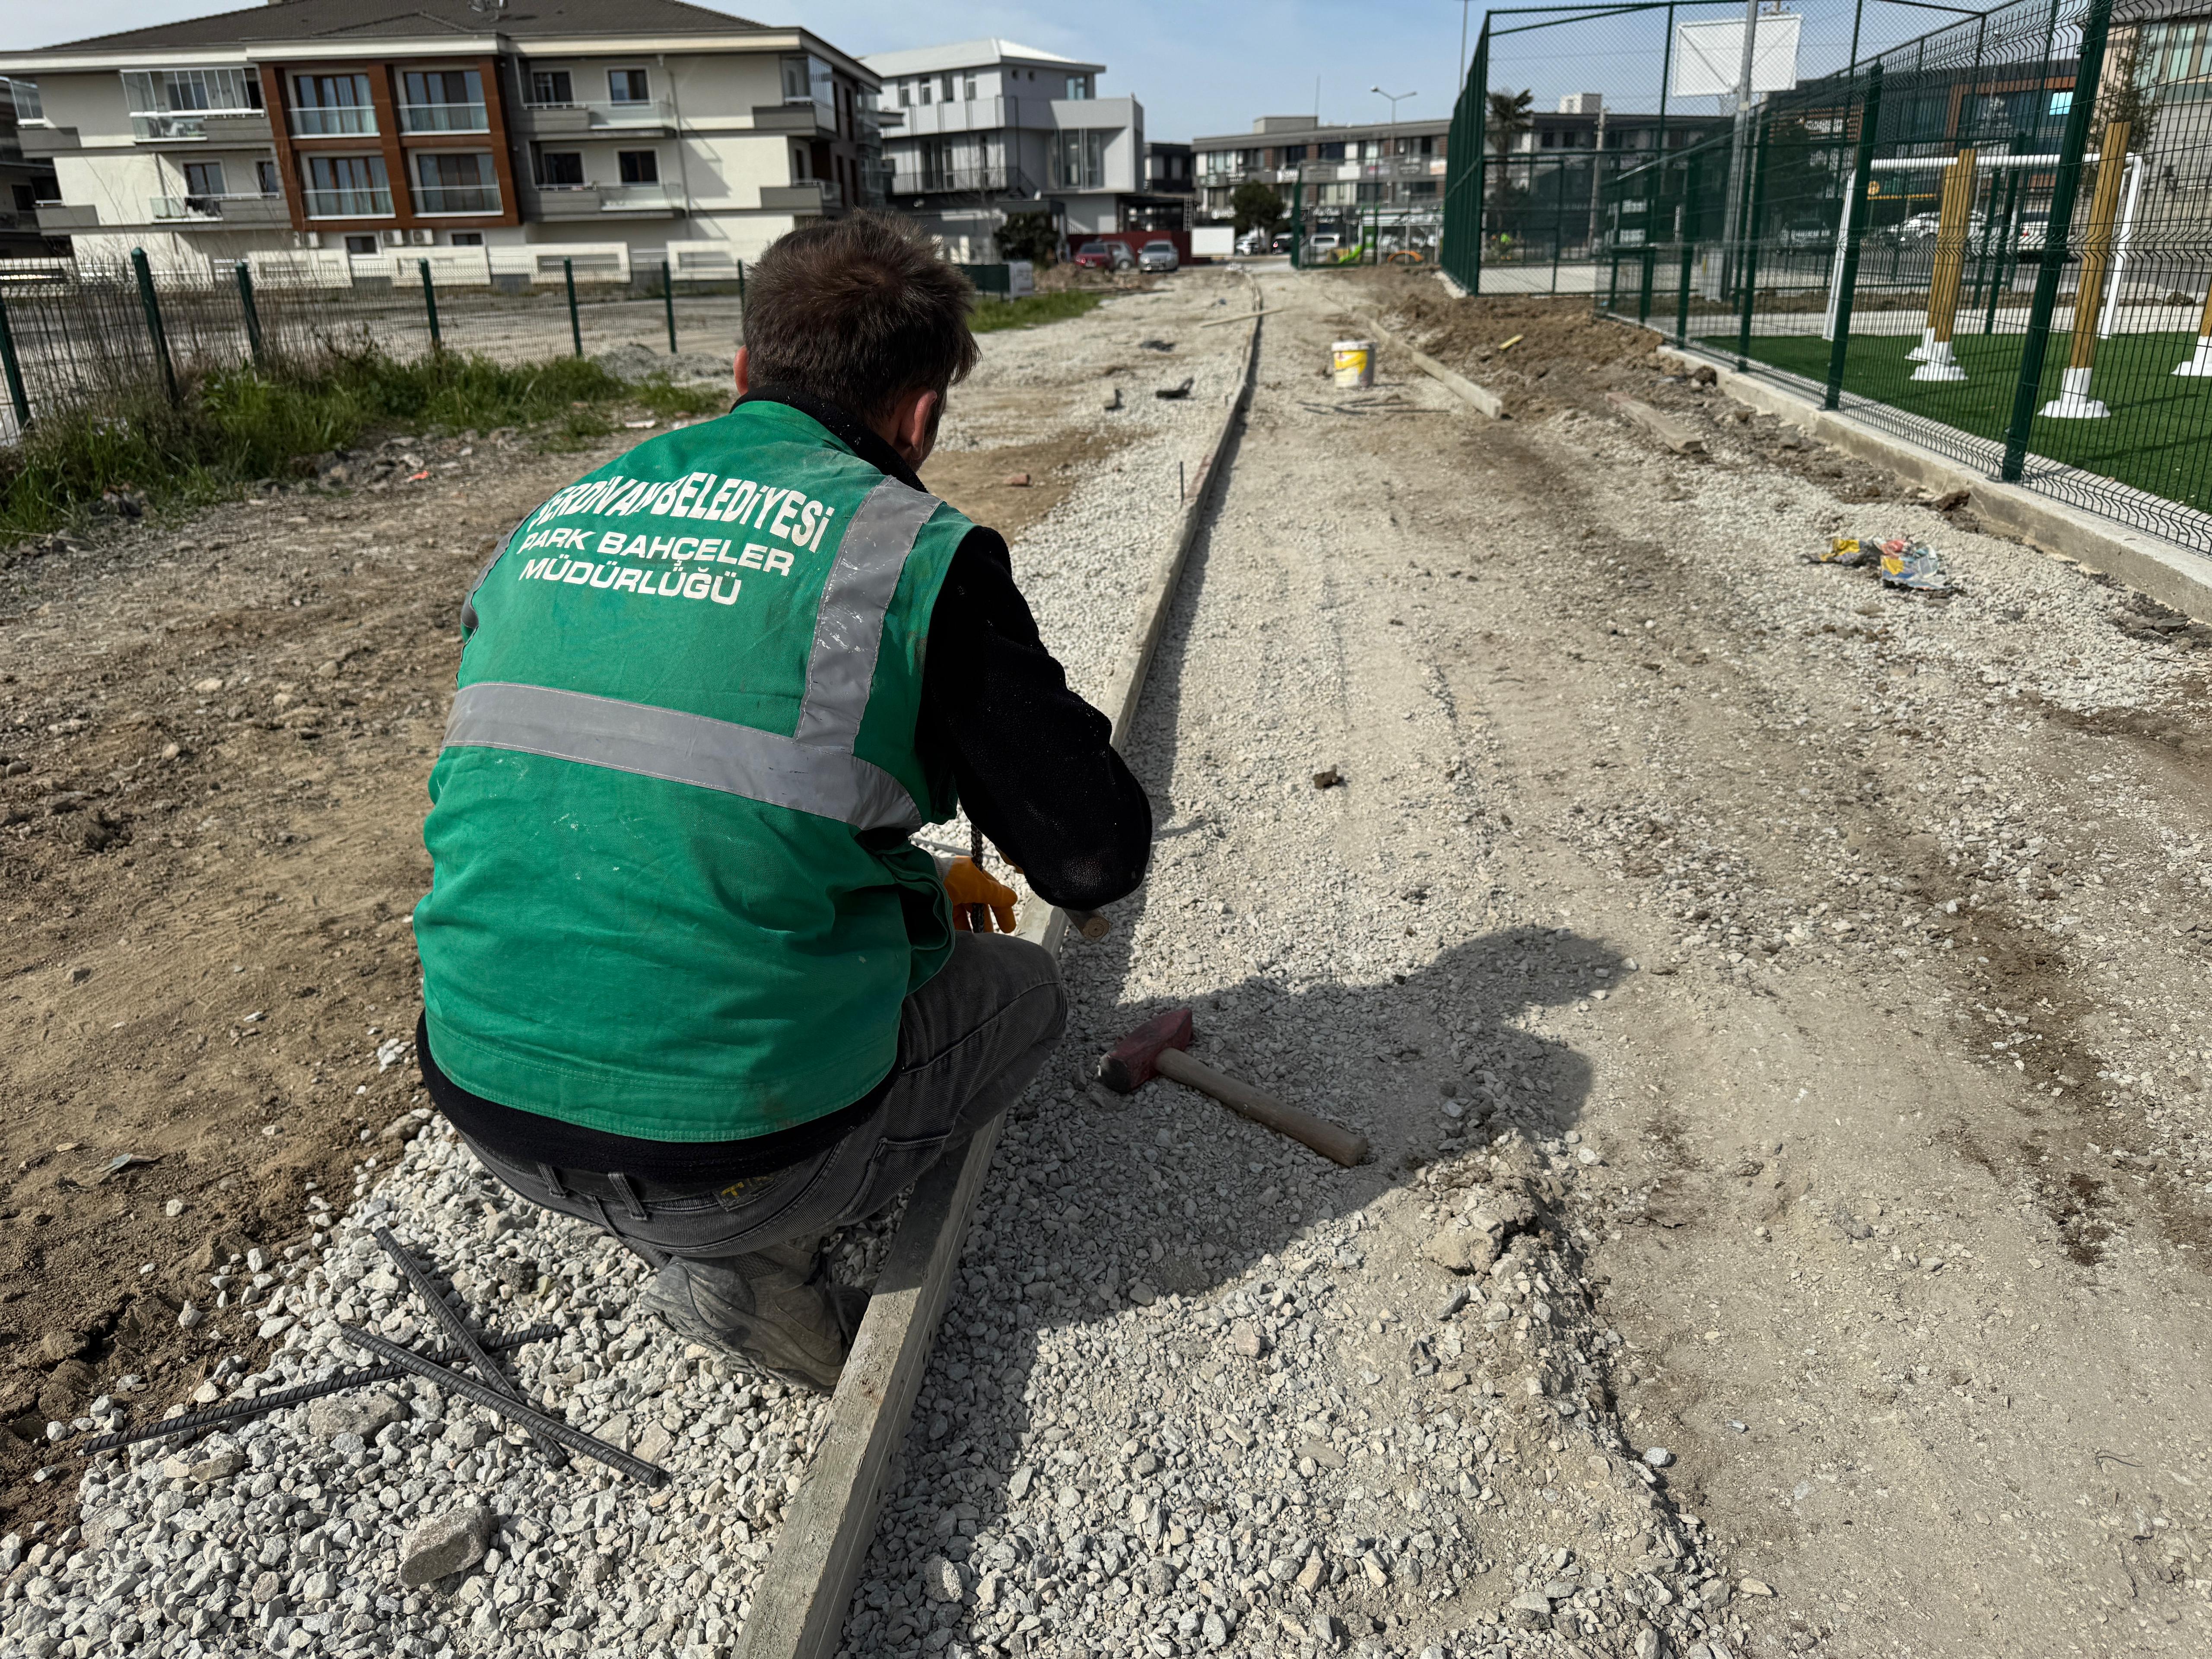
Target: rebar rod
x=458, y=1332
x=261, y=1405
x=468, y=1387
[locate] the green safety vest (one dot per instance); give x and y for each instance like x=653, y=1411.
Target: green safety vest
x=672, y=895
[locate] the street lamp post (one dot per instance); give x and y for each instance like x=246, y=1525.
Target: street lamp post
x=1396, y=98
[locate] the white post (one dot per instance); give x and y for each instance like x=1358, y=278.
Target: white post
x=2111, y=313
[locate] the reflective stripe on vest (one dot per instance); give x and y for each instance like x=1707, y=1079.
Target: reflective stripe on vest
x=693, y=749
x=814, y=770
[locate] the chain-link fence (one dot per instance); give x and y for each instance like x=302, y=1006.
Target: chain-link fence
x=1994, y=239
x=72, y=336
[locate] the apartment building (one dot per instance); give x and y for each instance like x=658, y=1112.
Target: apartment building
x=982, y=129
x=1340, y=169
x=651, y=128
x=24, y=182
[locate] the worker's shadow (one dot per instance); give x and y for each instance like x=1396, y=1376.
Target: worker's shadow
x=1097, y=1211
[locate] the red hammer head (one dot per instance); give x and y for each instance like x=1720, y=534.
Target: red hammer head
x=1134, y=1061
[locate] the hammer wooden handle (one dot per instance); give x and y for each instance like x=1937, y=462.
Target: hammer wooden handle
x=1332, y=1142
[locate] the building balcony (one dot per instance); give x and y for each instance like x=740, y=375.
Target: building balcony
x=575, y=120
x=236, y=211
x=802, y=116
x=341, y=121
x=199, y=126
x=570, y=203
x=807, y=196
x=635, y=199
x=41, y=141
x=348, y=204
x=457, y=198
x=443, y=117
x=961, y=181
x=60, y=218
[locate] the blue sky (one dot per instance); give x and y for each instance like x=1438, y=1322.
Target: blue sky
x=1200, y=68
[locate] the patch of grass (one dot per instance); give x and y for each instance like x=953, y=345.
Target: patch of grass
x=236, y=427
x=2157, y=438
x=992, y=315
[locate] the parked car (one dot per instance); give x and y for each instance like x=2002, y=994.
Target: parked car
x=1322, y=249
x=1251, y=242
x=1099, y=255
x=1281, y=244
x=1157, y=256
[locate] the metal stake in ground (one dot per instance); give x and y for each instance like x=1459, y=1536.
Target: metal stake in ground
x=458, y=1334
x=237, y=1411
x=587, y=1445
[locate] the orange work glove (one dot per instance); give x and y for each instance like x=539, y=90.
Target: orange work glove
x=966, y=885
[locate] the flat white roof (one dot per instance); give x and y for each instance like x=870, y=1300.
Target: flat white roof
x=967, y=54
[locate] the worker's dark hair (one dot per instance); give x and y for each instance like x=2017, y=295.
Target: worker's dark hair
x=857, y=311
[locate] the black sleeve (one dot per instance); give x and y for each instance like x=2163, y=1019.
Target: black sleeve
x=1032, y=761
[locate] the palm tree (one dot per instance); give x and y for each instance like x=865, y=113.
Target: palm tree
x=1508, y=116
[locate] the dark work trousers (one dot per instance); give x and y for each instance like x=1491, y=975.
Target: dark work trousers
x=970, y=1042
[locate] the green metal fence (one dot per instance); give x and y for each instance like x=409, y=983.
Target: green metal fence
x=1994, y=239
x=73, y=336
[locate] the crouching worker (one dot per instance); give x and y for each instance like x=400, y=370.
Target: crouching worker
x=685, y=974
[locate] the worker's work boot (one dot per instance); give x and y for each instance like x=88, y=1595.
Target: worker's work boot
x=776, y=1310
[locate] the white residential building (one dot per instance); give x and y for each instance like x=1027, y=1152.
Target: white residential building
x=983, y=129
x=610, y=129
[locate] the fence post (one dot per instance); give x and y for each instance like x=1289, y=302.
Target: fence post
x=2064, y=188
x=741, y=284
x=1298, y=218
x=17, y=394
x=1847, y=279
x=575, y=324
x=668, y=299
x=1689, y=250
x=430, y=305
x=252, y=313
x=153, y=328
x=1479, y=78
x=1747, y=265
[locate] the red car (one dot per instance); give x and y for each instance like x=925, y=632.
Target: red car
x=1105, y=256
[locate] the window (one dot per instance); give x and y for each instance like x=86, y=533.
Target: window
x=267, y=179
x=441, y=100
x=1422, y=188
x=348, y=187
x=561, y=169
x=639, y=166
x=906, y=94
x=628, y=86
x=925, y=87
x=463, y=183
x=945, y=89
x=323, y=105
x=936, y=155
x=1428, y=143
x=24, y=94
x=203, y=178
x=159, y=91
x=1294, y=154
x=1331, y=152
x=361, y=244
x=1079, y=159
x=467, y=238
x=1079, y=87
x=551, y=88
x=27, y=199
x=968, y=90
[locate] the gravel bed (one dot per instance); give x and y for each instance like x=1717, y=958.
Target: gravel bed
x=1200, y=1390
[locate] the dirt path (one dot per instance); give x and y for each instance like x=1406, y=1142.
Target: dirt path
x=1904, y=1116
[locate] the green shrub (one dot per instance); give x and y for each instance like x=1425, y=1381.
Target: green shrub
x=235, y=427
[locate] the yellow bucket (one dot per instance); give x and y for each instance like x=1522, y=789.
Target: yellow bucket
x=1354, y=363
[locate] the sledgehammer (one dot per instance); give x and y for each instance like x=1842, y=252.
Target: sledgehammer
x=1157, y=1048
